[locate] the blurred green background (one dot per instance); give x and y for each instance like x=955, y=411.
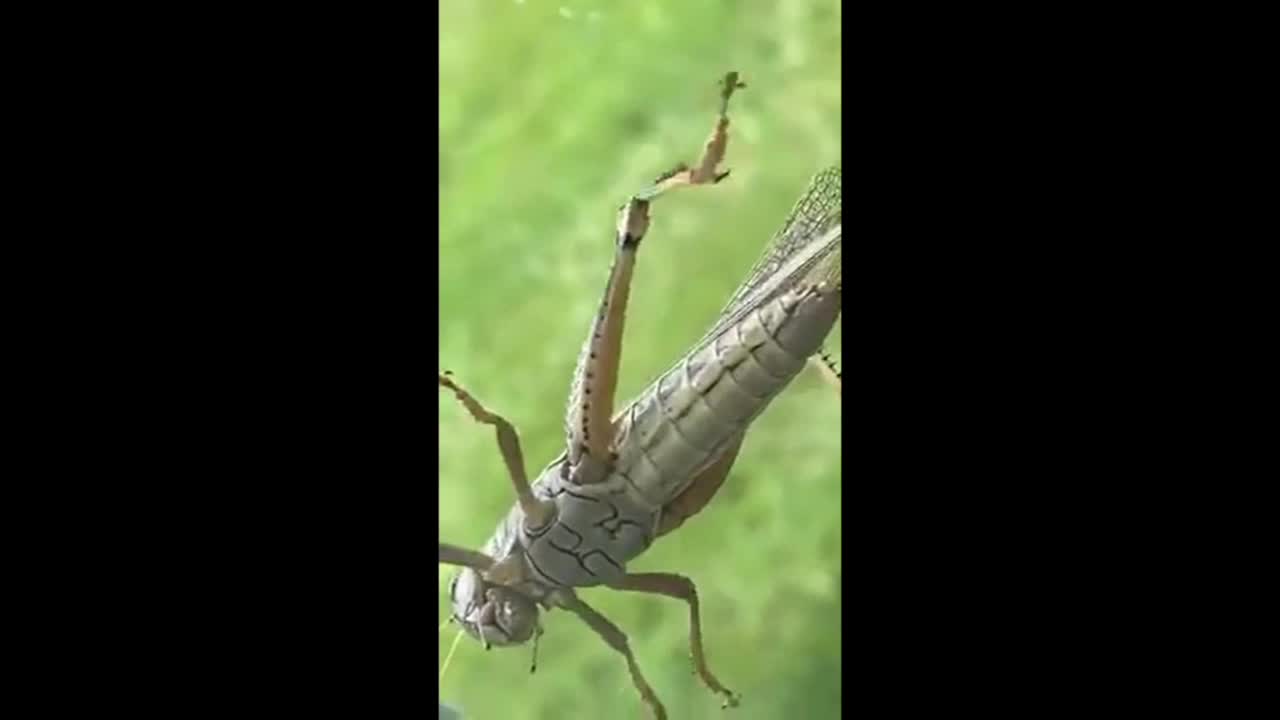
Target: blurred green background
x=551, y=114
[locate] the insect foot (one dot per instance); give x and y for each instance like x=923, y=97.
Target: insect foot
x=728, y=84
x=705, y=172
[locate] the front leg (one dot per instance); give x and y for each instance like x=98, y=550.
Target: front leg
x=454, y=555
x=617, y=640
x=680, y=588
x=588, y=425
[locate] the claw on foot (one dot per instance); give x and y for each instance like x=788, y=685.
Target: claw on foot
x=705, y=172
x=728, y=84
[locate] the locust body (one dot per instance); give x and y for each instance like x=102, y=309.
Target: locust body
x=627, y=478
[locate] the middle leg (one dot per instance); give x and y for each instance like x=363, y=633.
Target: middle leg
x=617, y=640
x=680, y=588
x=536, y=511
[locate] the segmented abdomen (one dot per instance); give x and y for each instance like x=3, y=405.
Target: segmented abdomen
x=682, y=422
x=678, y=425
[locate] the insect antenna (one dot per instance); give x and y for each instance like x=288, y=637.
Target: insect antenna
x=448, y=658
x=533, y=664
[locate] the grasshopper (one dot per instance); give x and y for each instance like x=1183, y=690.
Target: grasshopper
x=627, y=478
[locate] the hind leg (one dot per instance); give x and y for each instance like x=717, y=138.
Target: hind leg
x=828, y=367
x=589, y=423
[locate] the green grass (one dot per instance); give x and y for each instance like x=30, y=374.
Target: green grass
x=548, y=121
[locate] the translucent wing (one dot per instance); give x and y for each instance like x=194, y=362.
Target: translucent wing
x=807, y=247
x=814, y=213
x=809, y=239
